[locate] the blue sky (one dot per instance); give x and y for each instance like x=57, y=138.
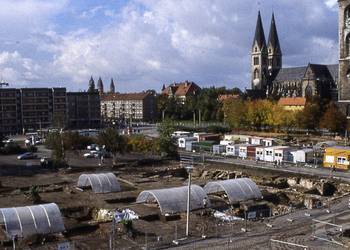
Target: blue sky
x=144, y=44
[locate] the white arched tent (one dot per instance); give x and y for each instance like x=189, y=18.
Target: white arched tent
x=100, y=183
x=237, y=190
x=31, y=220
x=174, y=200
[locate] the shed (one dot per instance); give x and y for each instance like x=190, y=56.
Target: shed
x=31, y=220
x=174, y=200
x=237, y=190
x=100, y=183
x=247, y=151
x=337, y=157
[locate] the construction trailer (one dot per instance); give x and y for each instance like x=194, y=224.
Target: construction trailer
x=336, y=157
x=277, y=154
x=305, y=155
x=260, y=153
x=219, y=149
x=247, y=151
x=183, y=140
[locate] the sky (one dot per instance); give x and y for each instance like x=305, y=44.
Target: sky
x=143, y=44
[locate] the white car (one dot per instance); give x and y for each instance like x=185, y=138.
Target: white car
x=92, y=146
x=89, y=155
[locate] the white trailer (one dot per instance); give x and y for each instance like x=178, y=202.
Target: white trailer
x=305, y=155
x=183, y=140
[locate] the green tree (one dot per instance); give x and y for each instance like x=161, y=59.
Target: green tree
x=333, y=119
x=55, y=141
x=113, y=142
x=166, y=144
x=309, y=117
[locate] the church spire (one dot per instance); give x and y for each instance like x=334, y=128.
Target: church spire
x=274, y=42
x=112, y=87
x=91, y=85
x=259, y=37
x=100, y=86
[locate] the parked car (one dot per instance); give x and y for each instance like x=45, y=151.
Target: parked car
x=92, y=146
x=27, y=156
x=88, y=155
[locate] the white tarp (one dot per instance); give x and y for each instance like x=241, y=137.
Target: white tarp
x=100, y=183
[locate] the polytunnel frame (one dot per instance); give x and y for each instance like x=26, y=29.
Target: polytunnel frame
x=98, y=182
x=228, y=186
x=30, y=220
x=198, y=195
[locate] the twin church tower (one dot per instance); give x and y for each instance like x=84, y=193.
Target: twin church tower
x=266, y=58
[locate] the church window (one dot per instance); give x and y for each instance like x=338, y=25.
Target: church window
x=308, y=92
x=256, y=49
x=348, y=110
x=270, y=62
x=347, y=45
x=256, y=60
x=347, y=17
x=256, y=74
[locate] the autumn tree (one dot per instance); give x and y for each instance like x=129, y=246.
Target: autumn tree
x=333, y=119
x=309, y=117
x=235, y=113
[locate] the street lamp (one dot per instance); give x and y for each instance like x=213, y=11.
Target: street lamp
x=189, y=170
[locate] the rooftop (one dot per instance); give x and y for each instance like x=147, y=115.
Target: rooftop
x=292, y=101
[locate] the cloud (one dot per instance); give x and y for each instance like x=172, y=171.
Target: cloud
x=16, y=68
x=149, y=42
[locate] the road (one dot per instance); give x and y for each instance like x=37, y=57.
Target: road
x=286, y=168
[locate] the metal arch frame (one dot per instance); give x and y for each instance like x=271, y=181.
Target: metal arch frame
x=33, y=217
x=237, y=182
x=154, y=195
x=108, y=176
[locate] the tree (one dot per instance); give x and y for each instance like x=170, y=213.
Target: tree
x=235, y=113
x=333, y=119
x=166, y=144
x=33, y=194
x=309, y=117
x=114, y=142
x=55, y=141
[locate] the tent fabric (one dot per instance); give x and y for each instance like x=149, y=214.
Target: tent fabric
x=100, y=183
x=237, y=190
x=174, y=200
x=31, y=220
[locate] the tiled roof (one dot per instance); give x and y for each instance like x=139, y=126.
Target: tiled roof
x=292, y=101
x=181, y=89
x=126, y=96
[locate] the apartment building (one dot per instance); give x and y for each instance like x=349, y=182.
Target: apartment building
x=84, y=110
x=129, y=106
x=29, y=109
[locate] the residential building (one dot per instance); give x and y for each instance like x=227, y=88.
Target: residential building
x=10, y=111
x=30, y=109
x=292, y=103
x=181, y=91
x=337, y=157
x=129, y=106
x=84, y=110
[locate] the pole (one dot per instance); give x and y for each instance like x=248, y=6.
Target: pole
x=188, y=204
x=200, y=117
x=194, y=118
x=14, y=243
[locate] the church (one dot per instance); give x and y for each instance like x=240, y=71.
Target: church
x=270, y=79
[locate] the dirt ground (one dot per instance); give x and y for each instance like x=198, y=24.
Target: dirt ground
x=80, y=209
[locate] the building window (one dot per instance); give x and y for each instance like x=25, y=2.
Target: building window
x=341, y=160
x=270, y=62
x=256, y=74
x=347, y=45
x=256, y=60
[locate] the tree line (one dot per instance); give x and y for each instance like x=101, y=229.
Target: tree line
x=268, y=115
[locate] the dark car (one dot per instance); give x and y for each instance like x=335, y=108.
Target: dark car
x=26, y=156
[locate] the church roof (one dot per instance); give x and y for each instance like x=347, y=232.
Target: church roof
x=334, y=70
x=273, y=36
x=259, y=33
x=289, y=74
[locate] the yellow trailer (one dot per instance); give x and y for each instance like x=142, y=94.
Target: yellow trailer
x=337, y=157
